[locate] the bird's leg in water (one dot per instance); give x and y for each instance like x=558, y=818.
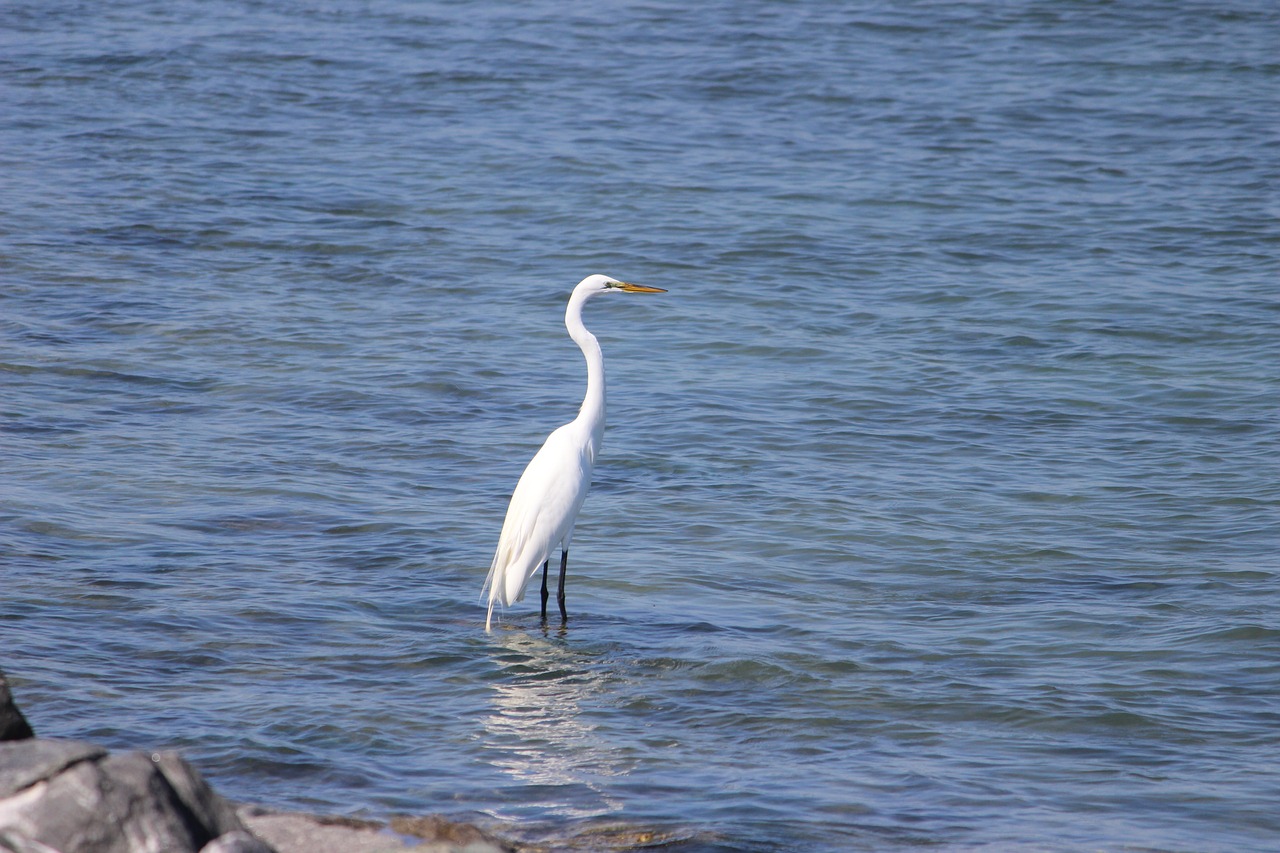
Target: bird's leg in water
x=564, y=564
x=545, y=594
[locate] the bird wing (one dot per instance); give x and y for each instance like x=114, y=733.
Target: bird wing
x=543, y=509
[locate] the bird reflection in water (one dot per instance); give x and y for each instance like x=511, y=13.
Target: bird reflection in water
x=539, y=736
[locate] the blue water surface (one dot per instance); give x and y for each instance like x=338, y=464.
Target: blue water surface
x=938, y=504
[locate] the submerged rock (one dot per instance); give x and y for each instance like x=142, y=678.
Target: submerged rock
x=442, y=831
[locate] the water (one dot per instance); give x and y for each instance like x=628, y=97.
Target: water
x=938, y=503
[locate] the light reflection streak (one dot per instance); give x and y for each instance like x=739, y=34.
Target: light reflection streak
x=538, y=734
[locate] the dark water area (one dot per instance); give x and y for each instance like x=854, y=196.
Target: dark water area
x=938, y=502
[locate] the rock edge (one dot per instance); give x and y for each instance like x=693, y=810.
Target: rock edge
x=66, y=796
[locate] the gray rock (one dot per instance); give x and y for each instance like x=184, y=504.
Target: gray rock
x=77, y=798
x=196, y=795
x=12, y=842
x=13, y=726
x=23, y=763
x=239, y=841
x=301, y=833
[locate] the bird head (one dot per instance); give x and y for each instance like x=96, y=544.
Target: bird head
x=595, y=284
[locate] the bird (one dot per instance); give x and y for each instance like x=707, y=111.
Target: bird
x=550, y=492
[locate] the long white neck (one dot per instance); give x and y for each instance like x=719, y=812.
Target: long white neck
x=592, y=412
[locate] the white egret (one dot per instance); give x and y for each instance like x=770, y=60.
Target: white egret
x=546, y=501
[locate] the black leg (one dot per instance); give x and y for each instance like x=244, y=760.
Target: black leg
x=545, y=594
x=564, y=564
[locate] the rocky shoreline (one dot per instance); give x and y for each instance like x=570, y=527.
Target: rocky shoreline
x=64, y=796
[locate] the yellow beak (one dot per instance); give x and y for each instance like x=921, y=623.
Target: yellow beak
x=638, y=288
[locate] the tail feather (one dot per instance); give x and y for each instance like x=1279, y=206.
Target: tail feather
x=491, y=585
x=509, y=576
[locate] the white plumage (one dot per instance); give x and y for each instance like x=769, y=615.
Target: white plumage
x=553, y=486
